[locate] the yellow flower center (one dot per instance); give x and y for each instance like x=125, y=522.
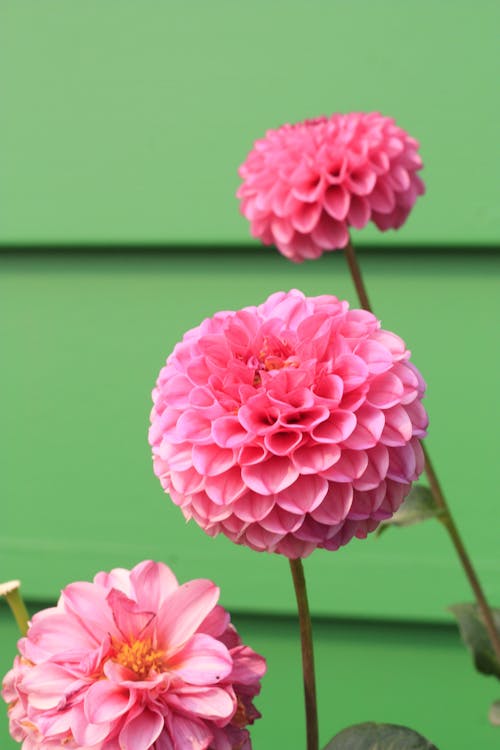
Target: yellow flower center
x=140, y=657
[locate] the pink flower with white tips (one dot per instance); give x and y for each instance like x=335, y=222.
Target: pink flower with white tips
x=133, y=661
x=304, y=185
x=289, y=426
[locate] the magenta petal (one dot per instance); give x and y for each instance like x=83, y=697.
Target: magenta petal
x=142, y=731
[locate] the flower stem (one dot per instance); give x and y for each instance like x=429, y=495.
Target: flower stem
x=307, y=654
x=437, y=493
x=10, y=591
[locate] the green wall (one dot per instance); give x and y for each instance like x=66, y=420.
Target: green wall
x=124, y=123
x=125, y=120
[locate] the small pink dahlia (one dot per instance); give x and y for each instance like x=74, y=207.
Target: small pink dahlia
x=133, y=661
x=305, y=184
x=289, y=426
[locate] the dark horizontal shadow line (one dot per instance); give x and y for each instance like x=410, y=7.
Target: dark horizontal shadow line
x=361, y=623
x=158, y=249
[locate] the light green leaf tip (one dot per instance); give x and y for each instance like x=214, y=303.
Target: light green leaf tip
x=418, y=506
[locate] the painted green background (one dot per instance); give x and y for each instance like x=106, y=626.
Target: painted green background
x=126, y=120
x=123, y=123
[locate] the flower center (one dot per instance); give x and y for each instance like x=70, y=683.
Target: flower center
x=140, y=657
x=275, y=354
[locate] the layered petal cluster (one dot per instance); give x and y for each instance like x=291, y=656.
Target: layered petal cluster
x=289, y=426
x=304, y=185
x=133, y=661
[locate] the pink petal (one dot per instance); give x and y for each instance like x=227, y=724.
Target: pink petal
x=106, y=701
x=376, y=356
x=337, y=201
x=359, y=212
x=183, y=611
x=336, y=504
x=225, y=488
x=271, y=476
x=336, y=429
x=352, y=370
x=88, y=602
x=315, y=458
x=228, y=432
x=189, y=734
x=280, y=521
x=398, y=428
x=211, y=460
x=216, y=622
x=152, y=582
x=202, y=661
x=282, y=442
x=47, y=684
x=131, y=620
x=330, y=234
x=350, y=466
x=253, y=507
x=209, y=702
x=370, y=423
x=84, y=733
x=386, y=390
x=305, y=218
x=303, y=495
x=142, y=731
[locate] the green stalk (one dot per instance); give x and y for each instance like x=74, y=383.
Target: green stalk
x=445, y=517
x=307, y=654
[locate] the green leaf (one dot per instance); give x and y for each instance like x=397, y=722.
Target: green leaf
x=494, y=714
x=475, y=636
x=418, y=506
x=371, y=736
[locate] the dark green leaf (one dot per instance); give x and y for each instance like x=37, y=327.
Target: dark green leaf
x=475, y=636
x=371, y=736
x=418, y=506
x=494, y=714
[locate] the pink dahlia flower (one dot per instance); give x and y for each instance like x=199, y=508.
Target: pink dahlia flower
x=304, y=185
x=289, y=426
x=133, y=661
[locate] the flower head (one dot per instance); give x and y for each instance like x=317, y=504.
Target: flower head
x=289, y=426
x=133, y=661
x=305, y=184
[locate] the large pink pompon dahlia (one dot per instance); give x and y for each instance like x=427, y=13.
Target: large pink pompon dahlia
x=133, y=661
x=304, y=185
x=289, y=426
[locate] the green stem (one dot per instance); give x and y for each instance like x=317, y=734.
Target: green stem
x=437, y=492
x=10, y=591
x=307, y=654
